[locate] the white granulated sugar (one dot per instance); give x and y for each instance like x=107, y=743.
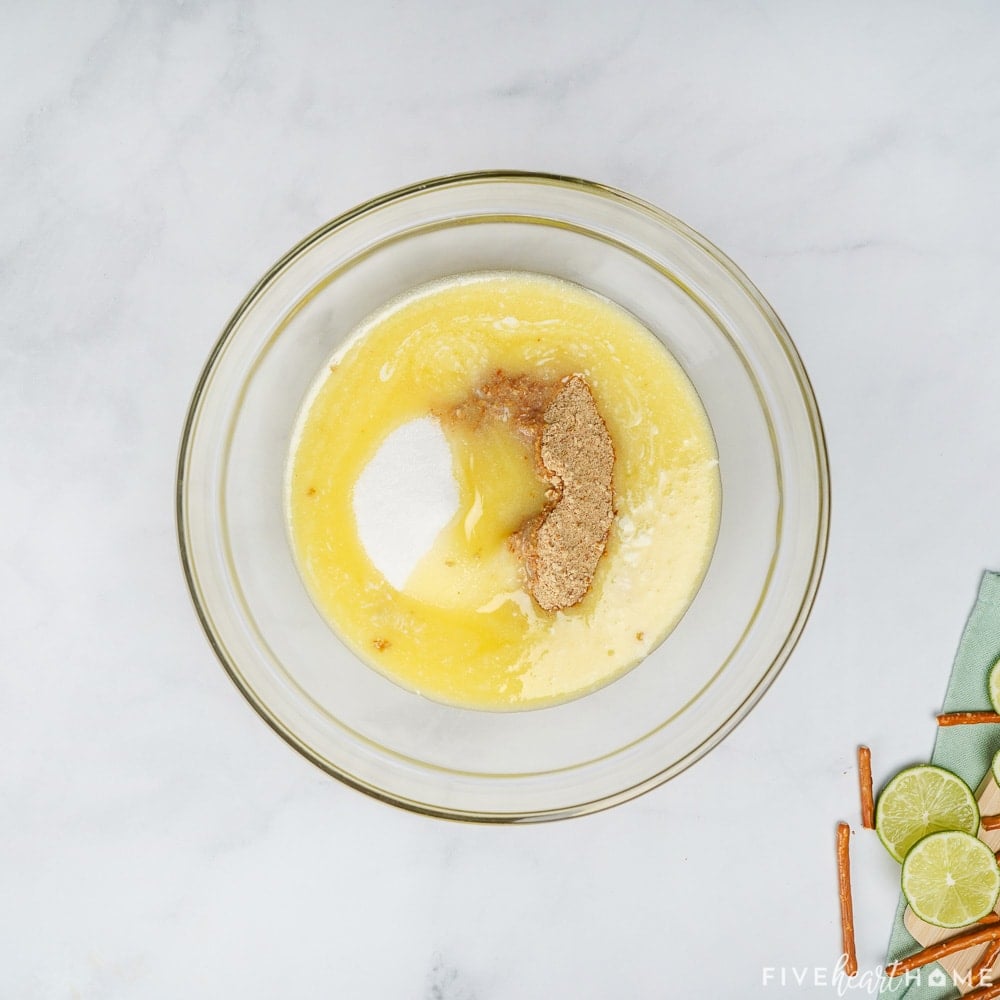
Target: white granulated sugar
x=404, y=497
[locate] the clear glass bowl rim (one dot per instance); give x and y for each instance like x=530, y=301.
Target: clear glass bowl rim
x=816, y=425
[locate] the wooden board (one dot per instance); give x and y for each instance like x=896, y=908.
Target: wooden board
x=959, y=965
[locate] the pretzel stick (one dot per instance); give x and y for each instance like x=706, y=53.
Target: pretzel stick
x=846, y=903
x=865, y=781
x=966, y=718
x=986, y=961
x=979, y=934
x=984, y=993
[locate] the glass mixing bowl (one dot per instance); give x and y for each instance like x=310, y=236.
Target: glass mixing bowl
x=614, y=743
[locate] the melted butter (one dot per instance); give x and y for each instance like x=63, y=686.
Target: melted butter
x=463, y=629
x=470, y=564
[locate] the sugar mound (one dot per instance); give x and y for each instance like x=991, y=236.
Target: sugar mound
x=404, y=497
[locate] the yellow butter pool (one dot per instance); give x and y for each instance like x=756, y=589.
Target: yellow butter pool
x=463, y=629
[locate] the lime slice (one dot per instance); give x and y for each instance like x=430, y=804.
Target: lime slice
x=996, y=767
x=951, y=879
x=995, y=686
x=923, y=800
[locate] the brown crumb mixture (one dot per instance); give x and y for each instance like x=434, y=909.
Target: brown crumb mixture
x=560, y=546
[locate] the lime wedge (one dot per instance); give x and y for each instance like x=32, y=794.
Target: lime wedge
x=951, y=879
x=995, y=686
x=923, y=800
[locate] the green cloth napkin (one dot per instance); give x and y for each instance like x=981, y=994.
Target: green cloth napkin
x=966, y=750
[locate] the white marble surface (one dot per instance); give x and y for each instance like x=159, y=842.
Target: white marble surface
x=156, y=839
